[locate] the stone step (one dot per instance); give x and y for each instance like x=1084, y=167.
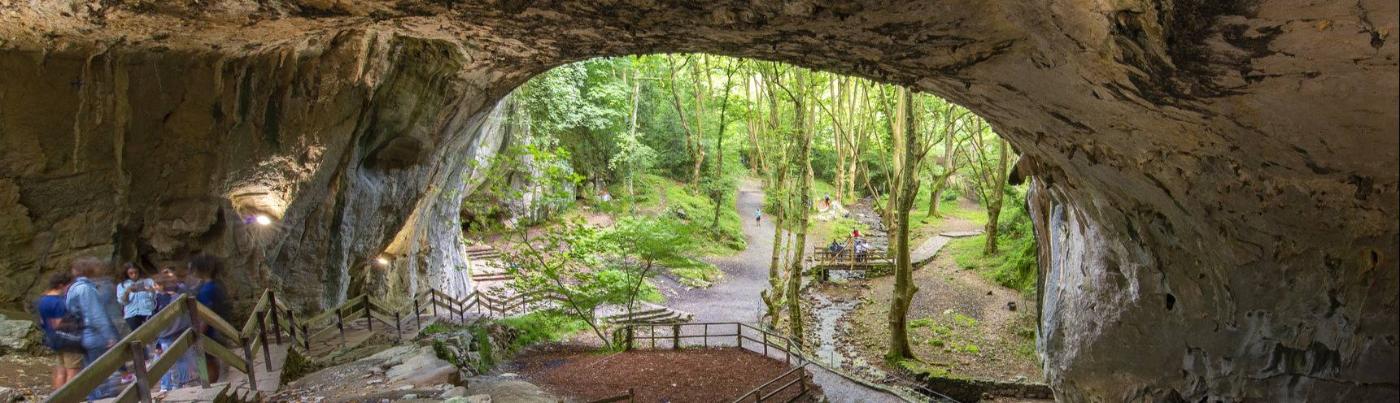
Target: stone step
x=641, y=317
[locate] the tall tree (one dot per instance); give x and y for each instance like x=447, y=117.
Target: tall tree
x=989, y=159
x=905, y=188
x=692, y=124
x=719, y=187
x=947, y=119
x=802, y=156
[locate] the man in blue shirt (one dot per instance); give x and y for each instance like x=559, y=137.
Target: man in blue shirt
x=52, y=309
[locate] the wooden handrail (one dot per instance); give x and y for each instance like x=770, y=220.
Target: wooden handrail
x=216, y=322
x=629, y=396
x=96, y=374
x=757, y=391
x=249, y=325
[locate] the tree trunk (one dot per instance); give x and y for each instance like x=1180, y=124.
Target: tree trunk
x=804, y=195
x=996, y=196
x=905, y=190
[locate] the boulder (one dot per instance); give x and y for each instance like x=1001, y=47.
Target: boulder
x=19, y=335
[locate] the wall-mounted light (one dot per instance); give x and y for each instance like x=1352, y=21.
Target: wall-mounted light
x=381, y=261
x=262, y=219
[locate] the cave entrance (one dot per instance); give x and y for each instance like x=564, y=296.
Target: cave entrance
x=680, y=164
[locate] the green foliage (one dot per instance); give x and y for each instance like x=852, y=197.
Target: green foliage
x=664, y=197
x=543, y=326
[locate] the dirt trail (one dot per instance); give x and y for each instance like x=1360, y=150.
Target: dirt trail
x=965, y=327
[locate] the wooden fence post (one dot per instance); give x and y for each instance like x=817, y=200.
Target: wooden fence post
x=262, y=334
x=201, y=363
x=306, y=338
x=340, y=324
x=739, y=334
x=432, y=300
x=675, y=337
x=398, y=327
x=705, y=337
x=248, y=359
x=292, y=327
x=138, y=366
x=765, y=344
x=417, y=315
x=787, y=351
x=272, y=307
x=369, y=315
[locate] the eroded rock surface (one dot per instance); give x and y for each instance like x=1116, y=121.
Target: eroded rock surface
x=1216, y=181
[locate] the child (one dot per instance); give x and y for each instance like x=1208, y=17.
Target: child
x=52, y=310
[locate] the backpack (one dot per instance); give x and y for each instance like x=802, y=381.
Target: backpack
x=68, y=334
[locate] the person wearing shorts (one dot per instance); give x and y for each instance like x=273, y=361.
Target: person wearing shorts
x=52, y=308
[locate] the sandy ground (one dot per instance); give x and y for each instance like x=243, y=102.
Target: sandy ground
x=30, y=375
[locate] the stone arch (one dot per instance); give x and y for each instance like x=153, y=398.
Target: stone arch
x=1235, y=158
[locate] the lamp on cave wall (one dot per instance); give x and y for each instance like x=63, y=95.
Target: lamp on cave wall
x=262, y=220
x=382, y=261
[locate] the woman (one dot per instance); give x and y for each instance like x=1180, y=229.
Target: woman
x=210, y=292
x=52, y=309
x=137, y=296
x=90, y=299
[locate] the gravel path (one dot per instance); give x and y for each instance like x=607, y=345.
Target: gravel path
x=736, y=297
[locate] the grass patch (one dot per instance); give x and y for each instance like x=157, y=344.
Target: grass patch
x=969, y=348
x=964, y=320
x=543, y=326
x=919, y=367
x=694, y=272
x=438, y=327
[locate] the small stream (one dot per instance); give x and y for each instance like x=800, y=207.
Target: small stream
x=829, y=316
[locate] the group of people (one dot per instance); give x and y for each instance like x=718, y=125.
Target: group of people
x=85, y=311
x=860, y=246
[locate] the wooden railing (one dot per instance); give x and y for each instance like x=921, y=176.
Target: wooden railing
x=709, y=334
x=625, y=397
x=796, y=379
x=683, y=335
x=484, y=305
x=133, y=348
x=270, y=321
x=824, y=260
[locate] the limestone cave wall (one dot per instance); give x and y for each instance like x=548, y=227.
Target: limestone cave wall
x=351, y=140
x=1216, y=181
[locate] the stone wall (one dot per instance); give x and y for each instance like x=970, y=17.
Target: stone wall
x=1217, y=179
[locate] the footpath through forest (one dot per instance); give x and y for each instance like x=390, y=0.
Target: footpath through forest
x=736, y=298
